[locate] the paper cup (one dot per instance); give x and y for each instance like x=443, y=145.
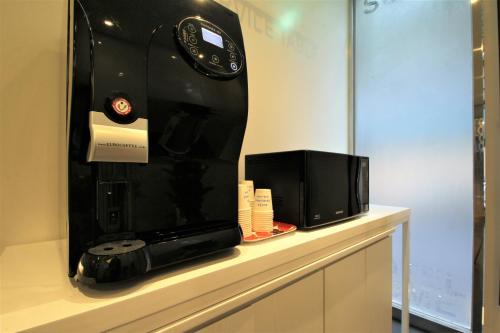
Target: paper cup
x=262, y=221
x=263, y=227
x=249, y=184
x=245, y=221
x=243, y=199
x=263, y=200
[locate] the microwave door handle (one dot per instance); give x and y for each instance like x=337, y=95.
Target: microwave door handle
x=358, y=183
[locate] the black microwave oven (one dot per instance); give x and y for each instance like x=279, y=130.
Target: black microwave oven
x=312, y=188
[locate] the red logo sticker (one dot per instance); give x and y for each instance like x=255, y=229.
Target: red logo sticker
x=121, y=106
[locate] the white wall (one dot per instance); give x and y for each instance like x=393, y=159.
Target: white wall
x=32, y=123
x=298, y=81
x=297, y=72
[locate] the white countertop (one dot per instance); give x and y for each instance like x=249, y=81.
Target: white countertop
x=36, y=292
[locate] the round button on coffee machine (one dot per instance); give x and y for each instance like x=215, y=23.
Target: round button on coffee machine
x=121, y=106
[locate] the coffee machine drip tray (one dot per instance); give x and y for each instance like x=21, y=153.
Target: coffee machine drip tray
x=121, y=260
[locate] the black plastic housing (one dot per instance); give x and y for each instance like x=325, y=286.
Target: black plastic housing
x=312, y=188
x=182, y=203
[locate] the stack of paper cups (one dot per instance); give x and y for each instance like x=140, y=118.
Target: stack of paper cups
x=251, y=196
x=262, y=212
x=244, y=210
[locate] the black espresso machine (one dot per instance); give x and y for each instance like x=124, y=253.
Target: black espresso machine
x=158, y=103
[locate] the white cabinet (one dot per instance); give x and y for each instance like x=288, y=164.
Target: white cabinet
x=241, y=321
x=379, y=286
x=332, y=279
x=297, y=308
x=345, y=306
x=349, y=296
x=358, y=291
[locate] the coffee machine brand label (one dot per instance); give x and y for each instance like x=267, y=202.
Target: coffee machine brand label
x=113, y=142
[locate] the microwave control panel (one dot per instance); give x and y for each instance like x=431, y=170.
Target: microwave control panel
x=211, y=49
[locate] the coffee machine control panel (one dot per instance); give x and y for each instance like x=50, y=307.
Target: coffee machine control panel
x=211, y=49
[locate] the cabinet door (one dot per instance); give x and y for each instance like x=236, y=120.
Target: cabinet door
x=241, y=321
x=379, y=286
x=345, y=307
x=295, y=308
x=358, y=291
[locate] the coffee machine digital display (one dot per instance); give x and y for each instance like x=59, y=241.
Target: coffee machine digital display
x=211, y=37
x=156, y=123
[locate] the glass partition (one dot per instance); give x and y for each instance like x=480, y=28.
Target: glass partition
x=414, y=119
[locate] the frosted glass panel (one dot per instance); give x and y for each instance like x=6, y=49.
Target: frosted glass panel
x=413, y=118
